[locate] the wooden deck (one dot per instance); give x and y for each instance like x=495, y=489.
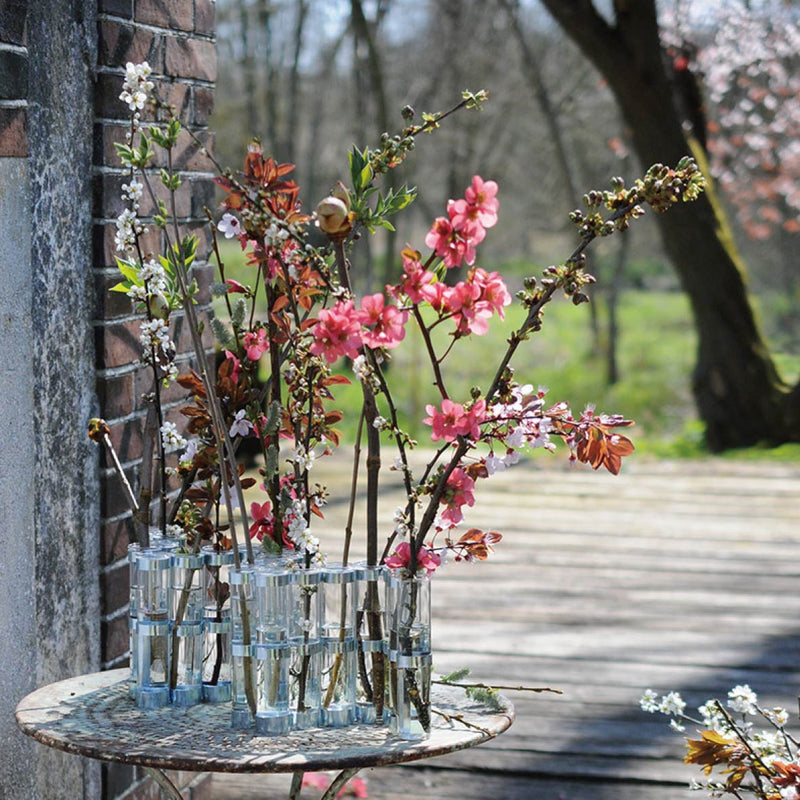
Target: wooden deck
x=673, y=575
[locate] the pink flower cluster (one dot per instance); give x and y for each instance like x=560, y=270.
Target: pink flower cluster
x=454, y=237
x=343, y=329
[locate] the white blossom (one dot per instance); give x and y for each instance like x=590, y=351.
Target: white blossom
x=170, y=437
x=743, y=699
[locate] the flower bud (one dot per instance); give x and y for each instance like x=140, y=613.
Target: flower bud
x=340, y=193
x=333, y=217
x=158, y=305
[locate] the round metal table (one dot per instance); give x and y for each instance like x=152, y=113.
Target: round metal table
x=92, y=715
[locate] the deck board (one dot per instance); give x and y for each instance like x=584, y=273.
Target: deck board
x=672, y=575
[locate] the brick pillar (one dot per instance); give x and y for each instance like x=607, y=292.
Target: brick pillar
x=176, y=37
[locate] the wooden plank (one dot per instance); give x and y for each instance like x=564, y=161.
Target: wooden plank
x=672, y=575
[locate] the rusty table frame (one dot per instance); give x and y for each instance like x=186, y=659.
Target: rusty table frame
x=93, y=715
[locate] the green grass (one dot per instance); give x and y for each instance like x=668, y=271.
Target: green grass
x=656, y=352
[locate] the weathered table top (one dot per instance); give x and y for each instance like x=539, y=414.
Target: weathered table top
x=93, y=716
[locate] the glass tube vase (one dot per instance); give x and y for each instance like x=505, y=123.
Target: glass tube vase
x=152, y=629
x=371, y=650
x=243, y=649
x=339, y=662
x=186, y=678
x=272, y=588
x=305, y=612
x=216, y=625
x=410, y=632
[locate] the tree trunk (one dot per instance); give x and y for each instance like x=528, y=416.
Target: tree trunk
x=740, y=396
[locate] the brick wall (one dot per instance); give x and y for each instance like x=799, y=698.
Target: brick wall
x=13, y=79
x=176, y=37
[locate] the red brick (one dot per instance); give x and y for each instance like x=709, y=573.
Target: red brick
x=117, y=343
x=177, y=96
x=119, y=43
x=203, y=105
x=115, y=395
x=114, y=640
x=182, y=336
x=115, y=588
x=205, y=274
x=108, y=304
x=205, y=21
x=13, y=132
x=107, y=194
x=172, y=14
x=190, y=58
x=114, y=540
x=188, y=152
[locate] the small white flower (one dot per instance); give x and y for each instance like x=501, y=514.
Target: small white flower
x=190, y=452
x=229, y=226
x=676, y=726
x=303, y=459
x=777, y=715
x=494, y=464
x=743, y=699
x=379, y=423
x=240, y=426
x=649, y=701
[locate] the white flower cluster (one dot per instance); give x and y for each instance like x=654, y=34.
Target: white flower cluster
x=128, y=228
x=154, y=335
x=170, y=438
x=154, y=281
x=275, y=236
x=769, y=745
x=363, y=371
x=300, y=534
x=136, y=85
x=400, y=520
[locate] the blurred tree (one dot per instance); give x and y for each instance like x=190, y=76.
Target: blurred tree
x=739, y=394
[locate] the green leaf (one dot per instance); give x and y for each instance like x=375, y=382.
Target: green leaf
x=123, y=286
x=357, y=163
x=129, y=271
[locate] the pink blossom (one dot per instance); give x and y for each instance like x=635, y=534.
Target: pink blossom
x=458, y=493
x=461, y=301
x=236, y=365
x=494, y=292
x=262, y=520
x=439, y=235
x=256, y=344
x=449, y=245
x=465, y=219
x=415, y=278
x=426, y=558
x=454, y=420
x=386, y=322
x=235, y=287
x=337, y=332
x=482, y=195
